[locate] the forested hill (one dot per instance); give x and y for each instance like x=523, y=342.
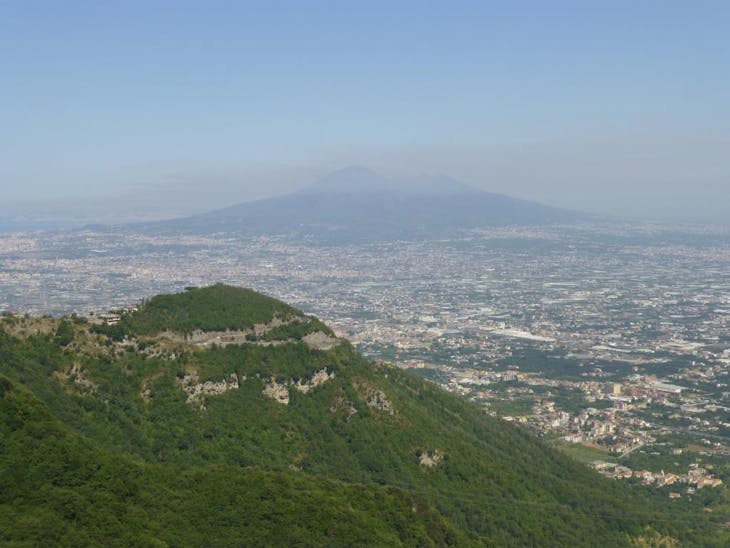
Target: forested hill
x=220, y=416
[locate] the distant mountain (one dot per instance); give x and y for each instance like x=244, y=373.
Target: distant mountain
x=357, y=203
x=361, y=180
x=220, y=417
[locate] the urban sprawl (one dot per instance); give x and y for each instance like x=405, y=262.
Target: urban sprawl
x=610, y=341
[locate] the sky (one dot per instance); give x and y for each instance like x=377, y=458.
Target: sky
x=164, y=108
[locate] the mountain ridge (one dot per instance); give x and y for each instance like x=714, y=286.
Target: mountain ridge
x=280, y=406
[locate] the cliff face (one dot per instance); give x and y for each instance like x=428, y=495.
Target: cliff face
x=286, y=416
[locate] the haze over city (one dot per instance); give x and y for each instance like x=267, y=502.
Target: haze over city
x=374, y=273
x=619, y=109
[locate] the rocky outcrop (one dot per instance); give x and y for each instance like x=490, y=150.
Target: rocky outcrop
x=263, y=328
x=430, y=459
x=374, y=397
x=319, y=340
x=146, y=392
x=280, y=391
x=277, y=391
x=224, y=338
x=378, y=400
x=198, y=391
x=320, y=377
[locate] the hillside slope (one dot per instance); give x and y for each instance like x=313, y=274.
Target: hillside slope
x=56, y=487
x=279, y=399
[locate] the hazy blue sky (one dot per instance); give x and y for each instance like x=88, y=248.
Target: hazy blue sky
x=615, y=107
